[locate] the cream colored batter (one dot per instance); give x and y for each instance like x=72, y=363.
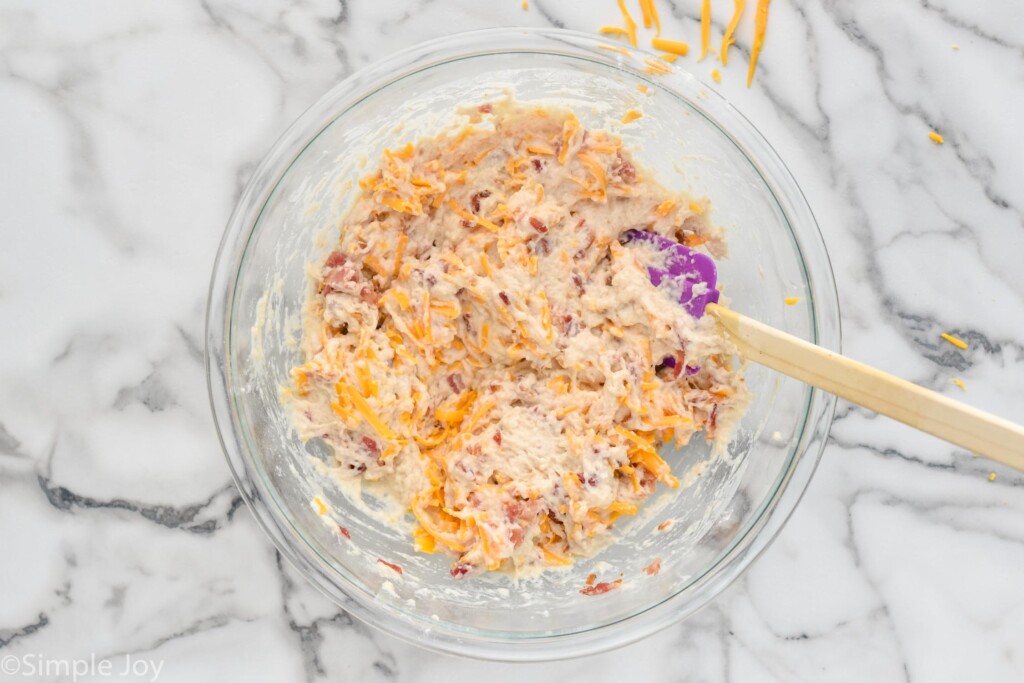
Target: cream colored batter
x=481, y=345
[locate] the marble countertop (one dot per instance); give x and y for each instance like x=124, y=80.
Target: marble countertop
x=128, y=132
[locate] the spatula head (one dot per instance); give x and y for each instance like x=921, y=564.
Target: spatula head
x=691, y=272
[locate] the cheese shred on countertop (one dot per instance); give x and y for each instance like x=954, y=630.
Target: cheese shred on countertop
x=955, y=341
x=480, y=348
x=676, y=47
x=705, y=28
x=630, y=24
x=760, y=27
x=728, y=39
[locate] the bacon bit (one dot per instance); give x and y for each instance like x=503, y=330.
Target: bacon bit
x=602, y=587
x=475, y=199
x=504, y=298
x=542, y=246
x=460, y=569
x=568, y=326
x=371, y=445
x=713, y=419
x=336, y=258
x=344, y=532
x=456, y=383
x=485, y=108
x=338, y=278
x=497, y=438
x=369, y=294
x=665, y=525
x=591, y=578
x=537, y=224
x=653, y=568
x=391, y=566
x=623, y=169
x=538, y=165
x=577, y=281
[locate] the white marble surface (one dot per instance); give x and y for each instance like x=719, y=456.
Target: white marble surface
x=128, y=128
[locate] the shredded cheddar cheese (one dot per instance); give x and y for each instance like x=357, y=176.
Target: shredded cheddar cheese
x=630, y=24
x=760, y=26
x=631, y=115
x=936, y=138
x=727, y=38
x=656, y=66
x=320, y=506
x=705, y=28
x=615, y=48
x=791, y=300
x=676, y=47
x=960, y=383
x=955, y=341
x=716, y=75
x=645, y=11
x=613, y=30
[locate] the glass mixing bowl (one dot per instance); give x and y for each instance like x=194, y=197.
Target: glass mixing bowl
x=288, y=216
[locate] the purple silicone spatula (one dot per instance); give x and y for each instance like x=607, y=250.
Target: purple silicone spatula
x=695, y=276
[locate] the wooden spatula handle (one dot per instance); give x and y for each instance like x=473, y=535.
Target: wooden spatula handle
x=970, y=428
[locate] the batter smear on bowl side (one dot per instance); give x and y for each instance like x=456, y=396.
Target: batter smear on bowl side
x=481, y=346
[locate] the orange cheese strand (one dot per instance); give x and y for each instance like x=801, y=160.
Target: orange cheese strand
x=631, y=115
x=705, y=28
x=727, y=39
x=676, y=47
x=613, y=30
x=650, y=13
x=615, y=48
x=655, y=17
x=760, y=26
x=955, y=341
x=630, y=24
x=645, y=11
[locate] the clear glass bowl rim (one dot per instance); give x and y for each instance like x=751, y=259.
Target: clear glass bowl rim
x=289, y=147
